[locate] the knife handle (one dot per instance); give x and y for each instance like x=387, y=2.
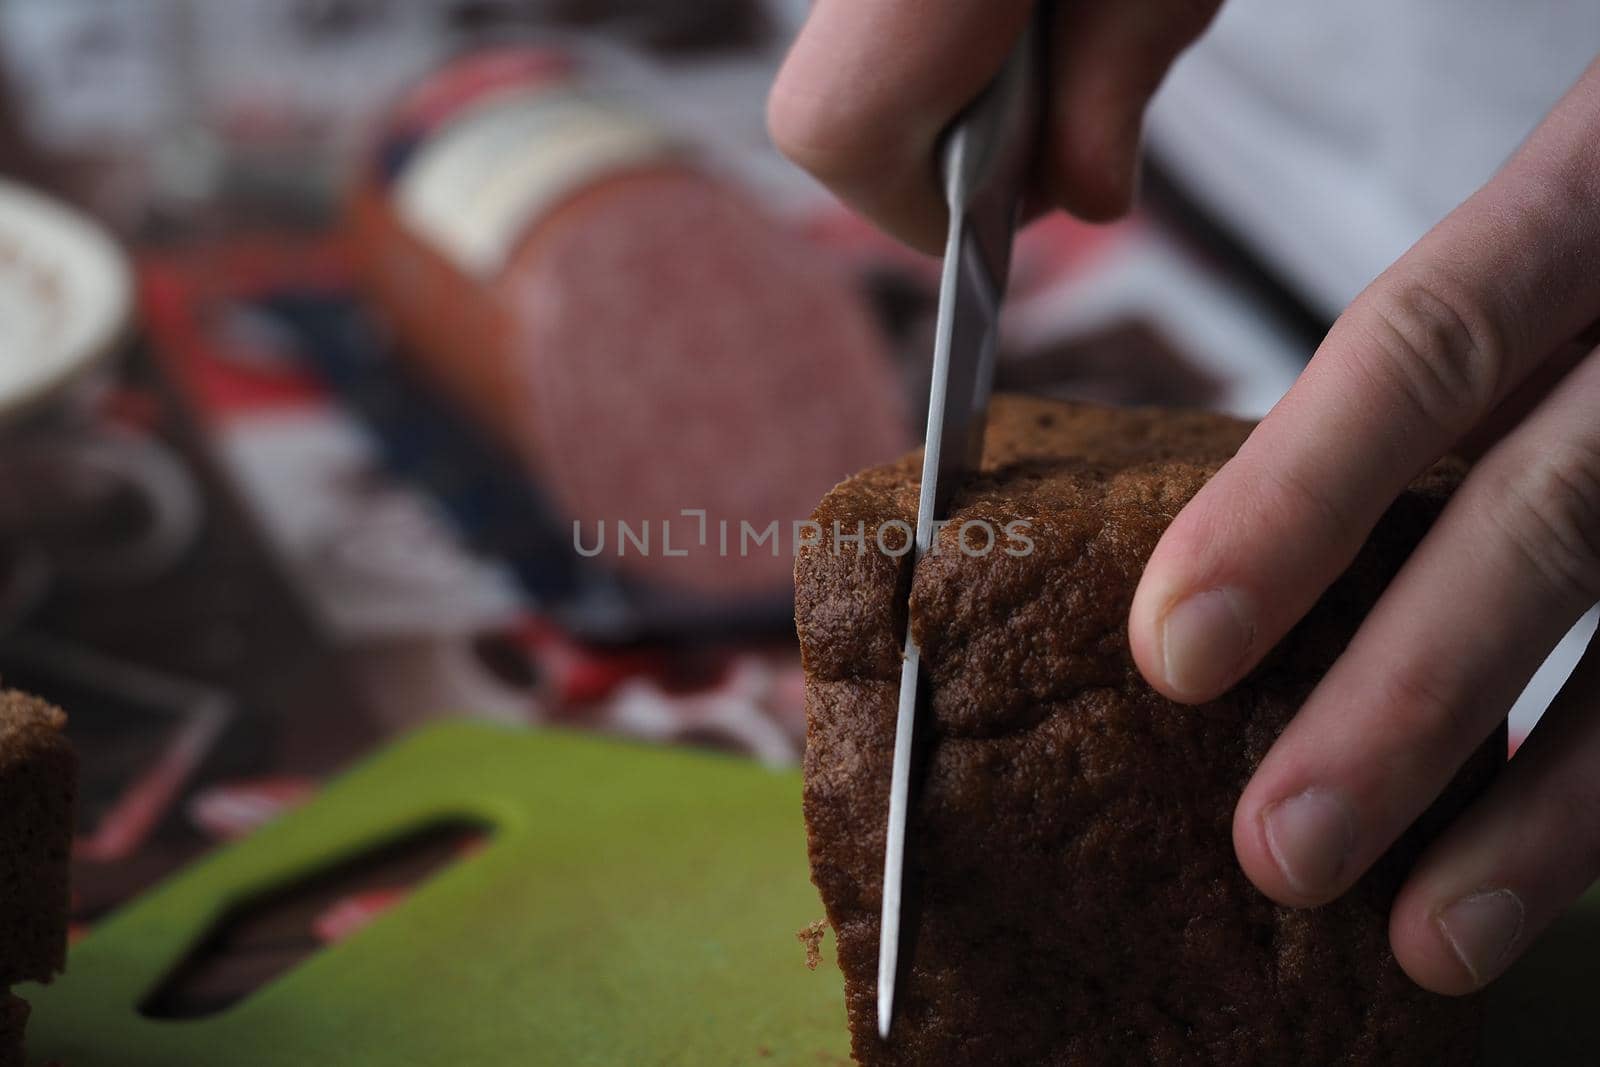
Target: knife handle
x=988, y=148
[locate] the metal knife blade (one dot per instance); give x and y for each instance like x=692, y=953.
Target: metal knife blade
x=984, y=164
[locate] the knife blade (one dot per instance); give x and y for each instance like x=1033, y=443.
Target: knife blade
x=984, y=163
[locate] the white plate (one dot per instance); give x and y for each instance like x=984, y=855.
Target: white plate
x=65, y=293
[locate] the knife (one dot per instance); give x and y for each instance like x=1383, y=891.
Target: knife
x=984, y=162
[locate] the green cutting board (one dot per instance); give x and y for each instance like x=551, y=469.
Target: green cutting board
x=636, y=906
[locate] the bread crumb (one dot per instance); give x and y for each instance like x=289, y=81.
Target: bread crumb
x=811, y=937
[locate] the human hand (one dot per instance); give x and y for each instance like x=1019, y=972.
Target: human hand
x=870, y=85
x=1482, y=333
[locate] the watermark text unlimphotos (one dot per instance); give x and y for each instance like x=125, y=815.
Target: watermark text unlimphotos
x=693, y=531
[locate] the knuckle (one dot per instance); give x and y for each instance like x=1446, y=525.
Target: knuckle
x=1547, y=506
x=1419, y=691
x=787, y=123
x=817, y=137
x=1436, y=348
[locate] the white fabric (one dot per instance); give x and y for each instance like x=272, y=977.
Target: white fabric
x=1331, y=136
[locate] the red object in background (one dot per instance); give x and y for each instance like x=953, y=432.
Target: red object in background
x=234, y=810
x=353, y=914
x=174, y=294
x=640, y=334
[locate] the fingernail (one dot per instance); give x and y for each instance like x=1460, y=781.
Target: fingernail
x=1311, y=836
x=1482, y=929
x=1204, y=641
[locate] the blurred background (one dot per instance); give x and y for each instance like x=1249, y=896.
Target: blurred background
x=369, y=361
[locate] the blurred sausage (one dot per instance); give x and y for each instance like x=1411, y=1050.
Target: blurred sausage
x=639, y=333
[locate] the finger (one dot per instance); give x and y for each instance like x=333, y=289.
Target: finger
x=1507, y=569
x=1484, y=891
x=1108, y=60
x=1415, y=362
x=869, y=86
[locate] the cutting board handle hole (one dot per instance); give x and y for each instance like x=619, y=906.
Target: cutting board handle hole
x=270, y=935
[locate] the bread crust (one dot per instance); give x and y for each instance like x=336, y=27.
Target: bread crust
x=38, y=793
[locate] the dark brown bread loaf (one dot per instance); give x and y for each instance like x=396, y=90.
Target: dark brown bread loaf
x=38, y=784
x=1073, y=897
x=13, y=1019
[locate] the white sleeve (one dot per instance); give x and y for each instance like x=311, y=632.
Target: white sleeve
x=1329, y=137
